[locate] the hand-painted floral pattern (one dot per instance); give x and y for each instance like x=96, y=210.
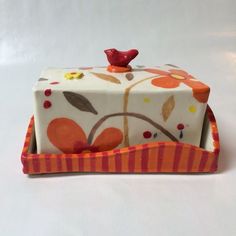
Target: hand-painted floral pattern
x=174, y=77
x=69, y=137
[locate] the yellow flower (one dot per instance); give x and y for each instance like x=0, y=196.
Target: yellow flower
x=74, y=75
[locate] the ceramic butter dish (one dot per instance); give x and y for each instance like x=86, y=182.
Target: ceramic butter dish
x=93, y=110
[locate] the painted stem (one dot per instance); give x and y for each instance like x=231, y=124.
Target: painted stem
x=132, y=114
x=125, y=109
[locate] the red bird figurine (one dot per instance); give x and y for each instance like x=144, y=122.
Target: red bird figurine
x=119, y=58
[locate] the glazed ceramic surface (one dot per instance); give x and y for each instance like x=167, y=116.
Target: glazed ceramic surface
x=89, y=109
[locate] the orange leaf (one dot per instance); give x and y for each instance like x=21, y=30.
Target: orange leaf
x=106, y=77
x=168, y=107
x=201, y=95
x=65, y=134
x=166, y=82
x=108, y=139
x=200, y=90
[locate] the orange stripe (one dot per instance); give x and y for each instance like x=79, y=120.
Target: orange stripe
x=74, y=162
x=203, y=161
x=87, y=167
x=131, y=158
x=210, y=160
x=80, y=163
x=124, y=162
x=26, y=146
x=63, y=163
x=53, y=163
x=42, y=163
x=98, y=163
x=183, y=163
x=196, y=160
x=168, y=158
x=30, y=164
x=92, y=161
x=36, y=163
x=152, y=164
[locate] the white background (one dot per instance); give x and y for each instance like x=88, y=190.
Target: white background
x=199, y=36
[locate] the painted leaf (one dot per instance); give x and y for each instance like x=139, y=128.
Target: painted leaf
x=168, y=107
x=129, y=76
x=42, y=79
x=106, y=77
x=66, y=135
x=172, y=65
x=108, y=139
x=80, y=102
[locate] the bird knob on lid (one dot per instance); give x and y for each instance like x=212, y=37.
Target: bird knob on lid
x=119, y=60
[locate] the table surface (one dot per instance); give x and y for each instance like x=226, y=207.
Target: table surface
x=198, y=36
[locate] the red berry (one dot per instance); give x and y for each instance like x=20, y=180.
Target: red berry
x=147, y=134
x=180, y=126
x=48, y=92
x=54, y=82
x=47, y=104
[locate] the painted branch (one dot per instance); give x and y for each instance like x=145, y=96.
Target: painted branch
x=125, y=109
x=132, y=114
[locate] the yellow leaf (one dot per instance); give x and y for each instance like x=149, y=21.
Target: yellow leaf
x=168, y=107
x=106, y=77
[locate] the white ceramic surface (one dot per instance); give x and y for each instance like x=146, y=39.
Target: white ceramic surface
x=167, y=107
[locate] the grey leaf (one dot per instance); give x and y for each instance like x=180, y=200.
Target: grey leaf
x=80, y=102
x=172, y=65
x=129, y=76
x=42, y=79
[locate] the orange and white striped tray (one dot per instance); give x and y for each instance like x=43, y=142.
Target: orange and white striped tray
x=155, y=157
